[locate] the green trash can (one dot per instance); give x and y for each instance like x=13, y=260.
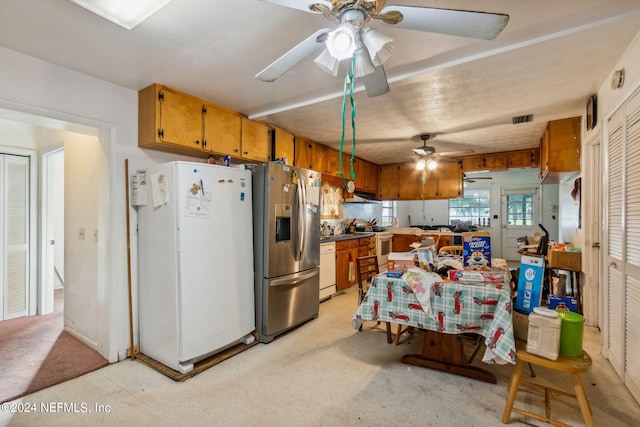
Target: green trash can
x=571, y=332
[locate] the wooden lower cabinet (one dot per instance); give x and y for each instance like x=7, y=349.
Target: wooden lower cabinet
x=402, y=242
x=354, y=248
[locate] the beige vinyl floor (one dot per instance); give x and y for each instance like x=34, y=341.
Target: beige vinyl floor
x=323, y=373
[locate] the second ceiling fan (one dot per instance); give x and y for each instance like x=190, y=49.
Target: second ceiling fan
x=367, y=47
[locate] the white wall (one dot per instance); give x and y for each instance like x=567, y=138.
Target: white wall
x=52, y=97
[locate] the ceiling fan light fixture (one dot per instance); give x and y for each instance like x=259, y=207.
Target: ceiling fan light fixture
x=421, y=164
x=431, y=164
x=380, y=47
x=341, y=42
x=327, y=62
x=363, y=64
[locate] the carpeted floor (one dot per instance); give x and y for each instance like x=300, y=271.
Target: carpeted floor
x=36, y=353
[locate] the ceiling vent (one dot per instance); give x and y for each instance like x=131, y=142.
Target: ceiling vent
x=522, y=119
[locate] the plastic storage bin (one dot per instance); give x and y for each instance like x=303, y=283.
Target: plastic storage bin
x=571, y=333
x=543, y=336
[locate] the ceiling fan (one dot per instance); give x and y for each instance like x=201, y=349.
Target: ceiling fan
x=425, y=150
x=429, y=156
x=367, y=47
x=465, y=179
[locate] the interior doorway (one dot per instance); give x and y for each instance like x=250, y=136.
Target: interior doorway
x=520, y=213
x=52, y=244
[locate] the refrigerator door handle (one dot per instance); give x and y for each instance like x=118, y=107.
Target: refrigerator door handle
x=300, y=220
x=297, y=279
x=303, y=231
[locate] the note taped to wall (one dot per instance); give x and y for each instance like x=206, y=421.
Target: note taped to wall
x=138, y=188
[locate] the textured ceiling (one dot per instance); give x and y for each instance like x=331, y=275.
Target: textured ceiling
x=547, y=62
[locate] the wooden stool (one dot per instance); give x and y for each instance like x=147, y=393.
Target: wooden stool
x=574, y=366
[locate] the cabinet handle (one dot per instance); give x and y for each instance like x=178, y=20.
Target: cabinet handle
x=235, y=150
x=245, y=152
x=197, y=142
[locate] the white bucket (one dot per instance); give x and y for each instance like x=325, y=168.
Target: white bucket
x=543, y=336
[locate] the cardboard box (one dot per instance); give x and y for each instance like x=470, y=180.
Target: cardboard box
x=559, y=302
x=497, y=276
x=520, y=325
x=400, y=260
x=530, y=283
x=565, y=260
x=477, y=250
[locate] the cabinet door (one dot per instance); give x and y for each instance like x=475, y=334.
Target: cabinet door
x=472, y=163
x=331, y=161
x=410, y=184
x=180, y=119
x=222, y=130
x=304, y=153
x=523, y=158
x=284, y=146
x=564, y=145
x=256, y=141
x=389, y=182
x=402, y=242
x=342, y=270
x=449, y=180
x=366, y=176
x=494, y=162
x=320, y=159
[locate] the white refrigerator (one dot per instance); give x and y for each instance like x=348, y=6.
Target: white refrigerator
x=195, y=253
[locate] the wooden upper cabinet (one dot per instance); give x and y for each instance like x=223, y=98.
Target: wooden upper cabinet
x=410, y=184
x=304, y=152
x=485, y=162
x=494, y=162
x=222, y=130
x=389, y=178
x=472, y=163
x=560, y=150
x=284, y=146
x=449, y=180
x=366, y=176
x=320, y=159
x=523, y=158
x=169, y=120
x=331, y=163
x=256, y=141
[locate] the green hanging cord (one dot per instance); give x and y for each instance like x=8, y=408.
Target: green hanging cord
x=353, y=118
x=344, y=108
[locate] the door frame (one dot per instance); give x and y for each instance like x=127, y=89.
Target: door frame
x=506, y=190
x=47, y=282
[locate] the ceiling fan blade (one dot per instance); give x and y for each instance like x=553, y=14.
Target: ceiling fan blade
x=300, y=4
x=376, y=83
x=453, y=153
x=479, y=25
x=294, y=56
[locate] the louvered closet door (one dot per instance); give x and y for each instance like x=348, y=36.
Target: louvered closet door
x=614, y=242
x=14, y=235
x=632, y=246
x=623, y=241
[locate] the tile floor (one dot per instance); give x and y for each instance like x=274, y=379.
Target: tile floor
x=323, y=373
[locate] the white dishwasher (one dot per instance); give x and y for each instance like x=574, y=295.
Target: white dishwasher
x=327, y=270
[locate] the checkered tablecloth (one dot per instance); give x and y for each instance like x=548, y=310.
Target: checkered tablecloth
x=456, y=307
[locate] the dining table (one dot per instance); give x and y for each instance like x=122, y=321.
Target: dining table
x=441, y=311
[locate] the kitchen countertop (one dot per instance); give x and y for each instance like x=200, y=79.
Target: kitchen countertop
x=420, y=232
x=356, y=235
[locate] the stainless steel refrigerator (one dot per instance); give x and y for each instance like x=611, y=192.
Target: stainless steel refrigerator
x=286, y=209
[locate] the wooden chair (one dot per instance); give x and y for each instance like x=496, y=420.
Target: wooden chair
x=451, y=250
x=366, y=268
x=574, y=366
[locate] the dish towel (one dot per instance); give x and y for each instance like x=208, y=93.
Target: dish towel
x=421, y=283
